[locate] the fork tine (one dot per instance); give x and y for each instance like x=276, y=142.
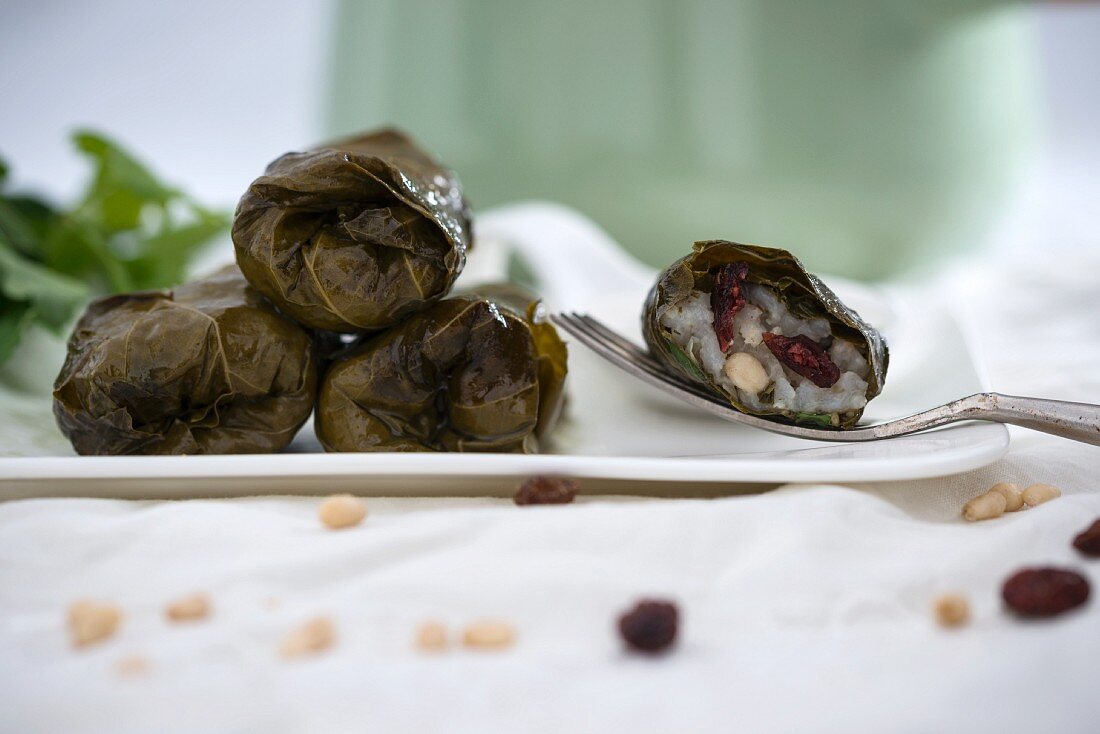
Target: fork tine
x=582, y=327
x=629, y=348
x=661, y=379
x=625, y=359
x=608, y=338
x=612, y=336
x=635, y=353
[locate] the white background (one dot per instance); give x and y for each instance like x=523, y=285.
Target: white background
x=206, y=91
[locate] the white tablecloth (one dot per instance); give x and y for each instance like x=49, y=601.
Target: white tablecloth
x=804, y=609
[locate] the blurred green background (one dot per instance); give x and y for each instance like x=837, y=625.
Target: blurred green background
x=869, y=136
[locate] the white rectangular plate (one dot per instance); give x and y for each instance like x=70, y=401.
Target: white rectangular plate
x=619, y=434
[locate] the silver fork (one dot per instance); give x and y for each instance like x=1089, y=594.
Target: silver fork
x=1078, y=421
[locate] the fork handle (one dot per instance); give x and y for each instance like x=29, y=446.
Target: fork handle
x=1078, y=421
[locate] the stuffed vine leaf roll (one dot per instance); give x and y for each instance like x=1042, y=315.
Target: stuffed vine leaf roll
x=208, y=368
x=355, y=235
x=476, y=372
x=750, y=324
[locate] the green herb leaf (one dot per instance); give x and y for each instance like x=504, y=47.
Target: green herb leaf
x=81, y=250
x=823, y=420
x=14, y=318
x=53, y=297
x=17, y=229
x=129, y=232
x=121, y=185
x=685, y=361
x=132, y=230
x=24, y=220
x=165, y=255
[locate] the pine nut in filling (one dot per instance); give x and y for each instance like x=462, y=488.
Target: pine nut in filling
x=746, y=373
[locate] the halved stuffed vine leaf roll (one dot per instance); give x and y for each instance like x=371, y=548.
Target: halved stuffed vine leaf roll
x=750, y=324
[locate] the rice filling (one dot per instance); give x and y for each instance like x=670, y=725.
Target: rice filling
x=764, y=383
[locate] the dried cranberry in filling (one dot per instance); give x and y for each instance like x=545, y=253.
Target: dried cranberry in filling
x=804, y=356
x=726, y=299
